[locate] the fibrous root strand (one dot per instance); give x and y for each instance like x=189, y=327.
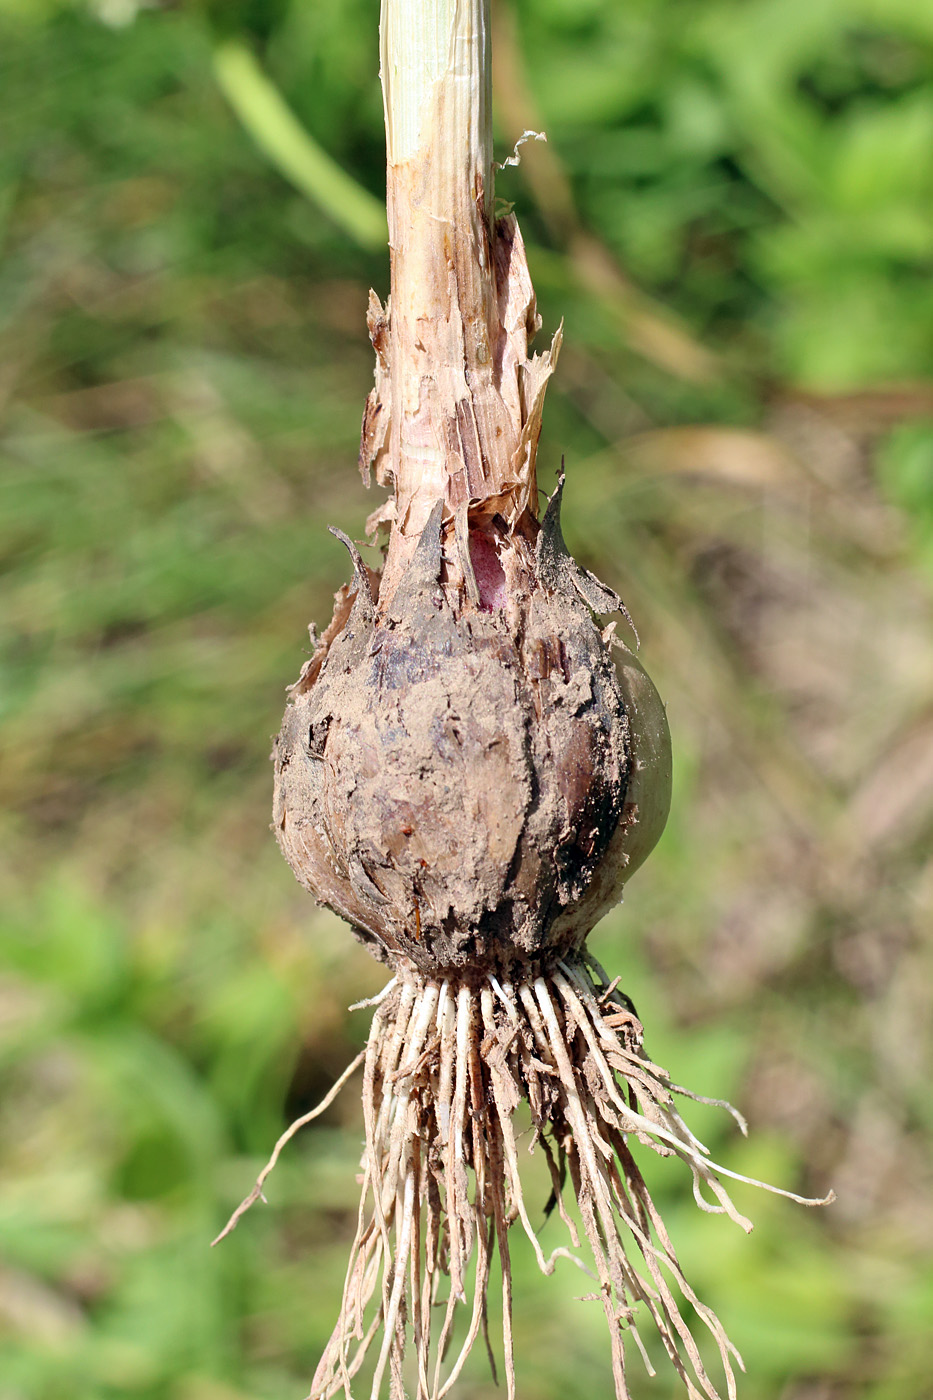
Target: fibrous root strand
x=445, y=1069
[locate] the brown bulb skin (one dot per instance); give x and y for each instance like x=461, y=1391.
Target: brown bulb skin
x=450, y=782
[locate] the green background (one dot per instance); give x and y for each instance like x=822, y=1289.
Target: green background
x=733, y=216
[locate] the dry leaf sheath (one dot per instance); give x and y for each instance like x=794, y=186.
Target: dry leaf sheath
x=469, y=768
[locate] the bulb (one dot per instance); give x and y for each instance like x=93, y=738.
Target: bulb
x=470, y=784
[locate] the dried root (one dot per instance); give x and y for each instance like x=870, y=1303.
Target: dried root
x=445, y=1069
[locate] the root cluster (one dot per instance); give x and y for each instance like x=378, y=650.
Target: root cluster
x=445, y=1069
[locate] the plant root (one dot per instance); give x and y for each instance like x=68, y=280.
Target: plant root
x=446, y=1067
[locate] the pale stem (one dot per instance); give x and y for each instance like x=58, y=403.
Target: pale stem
x=448, y=419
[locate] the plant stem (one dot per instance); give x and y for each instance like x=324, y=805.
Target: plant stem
x=448, y=418
x=292, y=150
x=427, y=46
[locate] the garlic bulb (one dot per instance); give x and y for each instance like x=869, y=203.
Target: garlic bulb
x=470, y=785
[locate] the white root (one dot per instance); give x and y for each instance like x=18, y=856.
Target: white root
x=256, y=1193
x=446, y=1066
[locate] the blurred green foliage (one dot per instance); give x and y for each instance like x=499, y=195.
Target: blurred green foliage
x=733, y=215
